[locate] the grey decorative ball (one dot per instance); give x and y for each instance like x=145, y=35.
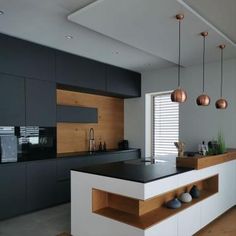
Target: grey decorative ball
x=173, y=204
x=185, y=197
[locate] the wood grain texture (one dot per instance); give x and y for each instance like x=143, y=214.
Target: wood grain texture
x=73, y=137
x=222, y=226
x=145, y=213
x=200, y=162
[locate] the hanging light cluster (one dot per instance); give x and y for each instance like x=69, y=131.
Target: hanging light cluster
x=179, y=95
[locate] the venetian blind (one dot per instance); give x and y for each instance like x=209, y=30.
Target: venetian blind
x=165, y=125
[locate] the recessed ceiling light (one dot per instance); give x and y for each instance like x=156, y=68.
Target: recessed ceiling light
x=1, y=12
x=69, y=37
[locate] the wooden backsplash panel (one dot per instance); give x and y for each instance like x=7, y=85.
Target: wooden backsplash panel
x=73, y=137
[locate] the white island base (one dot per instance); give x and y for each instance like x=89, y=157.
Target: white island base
x=104, y=206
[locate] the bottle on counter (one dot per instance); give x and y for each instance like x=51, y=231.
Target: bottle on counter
x=203, y=148
x=100, y=148
x=104, y=146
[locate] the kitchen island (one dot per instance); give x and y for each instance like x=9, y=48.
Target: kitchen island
x=128, y=198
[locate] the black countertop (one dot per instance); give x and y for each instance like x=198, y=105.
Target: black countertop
x=49, y=156
x=135, y=170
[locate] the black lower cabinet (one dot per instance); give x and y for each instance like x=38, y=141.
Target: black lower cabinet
x=34, y=185
x=13, y=190
x=41, y=184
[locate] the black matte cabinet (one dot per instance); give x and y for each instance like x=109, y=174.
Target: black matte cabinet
x=75, y=114
x=13, y=190
x=123, y=83
x=23, y=58
x=12, y=100
x=40, y=103
x=80, y=72
x=41, y=184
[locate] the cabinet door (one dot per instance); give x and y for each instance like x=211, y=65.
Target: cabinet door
x=41, y=184
x=12, y=101
x=80, y=72
x=19, y=57
x=123, y=82
x=75, y=114
x=40, y=103
x=13, y=190
x=189, y=221
x=168, y=227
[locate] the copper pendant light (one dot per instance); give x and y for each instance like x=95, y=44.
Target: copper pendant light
x=203, y=99
x=179, y=95
x=221, y=103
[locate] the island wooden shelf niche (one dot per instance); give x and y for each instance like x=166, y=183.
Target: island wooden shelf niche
x=146, y=213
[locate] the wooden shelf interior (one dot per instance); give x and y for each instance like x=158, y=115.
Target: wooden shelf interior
x=145, y=213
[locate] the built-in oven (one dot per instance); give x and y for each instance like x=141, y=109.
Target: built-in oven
x=27, y=143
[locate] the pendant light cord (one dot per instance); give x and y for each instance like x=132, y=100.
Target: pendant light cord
x=203, y=64
x=221, y=74
x=179, y=53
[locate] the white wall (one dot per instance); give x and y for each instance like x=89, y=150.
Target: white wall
x=196, y=123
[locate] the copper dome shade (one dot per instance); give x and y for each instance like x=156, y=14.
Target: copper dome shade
x=178, y=95
x=203, y=100
x=221, y=103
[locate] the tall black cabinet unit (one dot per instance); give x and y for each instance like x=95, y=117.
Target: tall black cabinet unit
x=23, y=58
x=13, y=190
x=40, y=103
x=41, y=184
x=12, y=100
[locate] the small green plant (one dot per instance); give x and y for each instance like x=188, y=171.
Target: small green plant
x=221, y=143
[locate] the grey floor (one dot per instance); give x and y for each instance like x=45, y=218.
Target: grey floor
x=48, y=222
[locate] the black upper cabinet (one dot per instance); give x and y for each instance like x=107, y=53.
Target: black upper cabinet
x=40, y=103
x=19, y=57
x=80, y=72
x=74, y=114
x=12, y=101
x=123, y=83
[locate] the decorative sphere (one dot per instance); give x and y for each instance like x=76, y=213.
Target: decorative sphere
x=203, y=100
x=185, y=197
x=195, y=192
x=178, y=95
x=221, y=103
x=173, y=204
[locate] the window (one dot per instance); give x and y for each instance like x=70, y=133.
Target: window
x=165, y=125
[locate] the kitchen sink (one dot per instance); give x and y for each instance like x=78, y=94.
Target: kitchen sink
x=144, y=162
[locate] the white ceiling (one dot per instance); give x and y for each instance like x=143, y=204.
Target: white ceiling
x=150, y=25
x=220, y=13
x=133, y=34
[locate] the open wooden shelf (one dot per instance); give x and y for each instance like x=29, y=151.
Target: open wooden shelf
x=144, y=214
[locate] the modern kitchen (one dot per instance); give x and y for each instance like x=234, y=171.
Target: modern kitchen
x=117, y=118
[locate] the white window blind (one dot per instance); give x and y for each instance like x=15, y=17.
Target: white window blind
x=165, y=125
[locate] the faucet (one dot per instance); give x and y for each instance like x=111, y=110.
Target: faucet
x=91, y=140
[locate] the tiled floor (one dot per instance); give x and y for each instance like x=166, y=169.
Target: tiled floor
x=56, y=221
x=48, y=222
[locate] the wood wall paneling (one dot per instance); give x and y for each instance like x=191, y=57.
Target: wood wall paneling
x=73, y=137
